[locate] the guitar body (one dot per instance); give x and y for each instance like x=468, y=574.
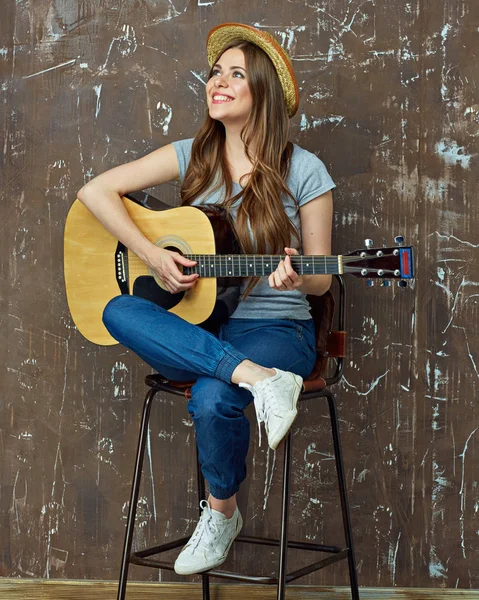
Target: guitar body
x=97, y=268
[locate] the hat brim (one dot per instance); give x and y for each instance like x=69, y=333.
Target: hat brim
x=222, y=35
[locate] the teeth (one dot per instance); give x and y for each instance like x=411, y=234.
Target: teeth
x=221, y=98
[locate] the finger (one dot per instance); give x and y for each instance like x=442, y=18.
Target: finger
x=176, y=274
x=272, y=280
x=175, y=287
x=187, y=278
x=278, y=280
x=283, y=272
x=187, y=286
x=291, y=251
x=290, y=272
x=286, y=280
x=186, y=262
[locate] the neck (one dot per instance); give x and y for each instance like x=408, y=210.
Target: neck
x=234, y=145
x=236, y=154
x=257, y=265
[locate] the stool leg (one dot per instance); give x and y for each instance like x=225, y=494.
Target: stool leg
x=135, y=490
x=201, y=494
x=353, y=578
x=283, y=547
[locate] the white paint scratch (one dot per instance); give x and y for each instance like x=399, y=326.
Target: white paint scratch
x=268, y=477
x=371, y=387
x=97, y=89
x=65, y=64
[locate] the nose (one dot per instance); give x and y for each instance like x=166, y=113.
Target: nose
x=220, y=80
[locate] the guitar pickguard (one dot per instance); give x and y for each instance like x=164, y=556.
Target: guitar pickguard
x=146, y=287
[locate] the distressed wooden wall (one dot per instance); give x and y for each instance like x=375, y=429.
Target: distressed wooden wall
x=389, y=101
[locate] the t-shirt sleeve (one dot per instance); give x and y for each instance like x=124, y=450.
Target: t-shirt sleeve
x=183, y=152
x=310, y=177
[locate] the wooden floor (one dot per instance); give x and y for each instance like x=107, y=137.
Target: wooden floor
x=36, y=589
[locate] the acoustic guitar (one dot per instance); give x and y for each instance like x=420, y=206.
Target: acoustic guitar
x=97, y=267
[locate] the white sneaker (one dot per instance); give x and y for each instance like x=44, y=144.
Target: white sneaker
x=275, y=401
x=209, y=545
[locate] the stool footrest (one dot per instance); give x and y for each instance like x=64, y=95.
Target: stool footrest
x=291, y=544
x=337, y=554
x=163, y=548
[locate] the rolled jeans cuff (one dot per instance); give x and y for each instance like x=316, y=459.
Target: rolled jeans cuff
x=231, y=359
x=221, y=493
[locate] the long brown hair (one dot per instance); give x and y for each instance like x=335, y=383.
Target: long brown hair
x=266, y=130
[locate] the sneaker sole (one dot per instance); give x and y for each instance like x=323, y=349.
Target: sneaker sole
x=193, y=571
x=281, y=433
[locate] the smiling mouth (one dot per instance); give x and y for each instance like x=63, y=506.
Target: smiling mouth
x=219, y=99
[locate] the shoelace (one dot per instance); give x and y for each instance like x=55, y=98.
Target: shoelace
x=205, y=527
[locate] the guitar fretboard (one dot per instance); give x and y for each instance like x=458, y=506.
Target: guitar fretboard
x=260, y=265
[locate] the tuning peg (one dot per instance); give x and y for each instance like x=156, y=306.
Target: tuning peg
x=399, y=240
x=368, y=243
x=370, y=283
x=402, y=283
x=386, y=283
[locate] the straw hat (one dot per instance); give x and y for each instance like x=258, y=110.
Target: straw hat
x=222, y=35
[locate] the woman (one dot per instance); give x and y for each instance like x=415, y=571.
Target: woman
x=279, y=198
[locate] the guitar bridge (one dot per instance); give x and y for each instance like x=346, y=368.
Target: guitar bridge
x=121, y=268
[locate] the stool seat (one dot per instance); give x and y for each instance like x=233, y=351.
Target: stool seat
x=158, y=382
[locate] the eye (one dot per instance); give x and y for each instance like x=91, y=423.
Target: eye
x=238, y=73
x=215, y=72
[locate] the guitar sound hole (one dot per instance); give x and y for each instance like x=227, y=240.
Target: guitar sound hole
x=146, y=287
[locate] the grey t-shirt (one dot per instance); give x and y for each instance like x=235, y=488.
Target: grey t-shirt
x=308, y=178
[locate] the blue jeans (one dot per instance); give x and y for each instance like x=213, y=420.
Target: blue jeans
x=184, y=352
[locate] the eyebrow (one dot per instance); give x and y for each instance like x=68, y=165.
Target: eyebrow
x=231, y=68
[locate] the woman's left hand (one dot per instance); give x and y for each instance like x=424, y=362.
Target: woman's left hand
x=285, y=277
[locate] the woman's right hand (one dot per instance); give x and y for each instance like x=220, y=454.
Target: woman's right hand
x=165, y=264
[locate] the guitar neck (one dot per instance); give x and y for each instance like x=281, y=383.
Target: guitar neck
x=260, y=265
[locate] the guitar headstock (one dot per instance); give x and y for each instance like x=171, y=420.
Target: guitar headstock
x=386, y=264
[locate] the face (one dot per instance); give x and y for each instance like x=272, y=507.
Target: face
x=228, y=94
